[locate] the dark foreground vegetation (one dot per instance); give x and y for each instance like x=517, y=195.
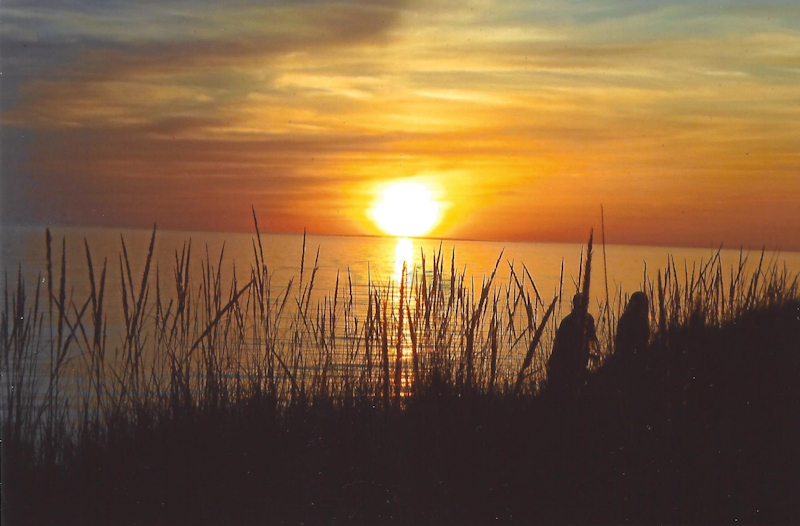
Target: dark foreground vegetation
x=406, y=411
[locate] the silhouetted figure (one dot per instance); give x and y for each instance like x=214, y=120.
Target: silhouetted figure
x=633, y=329
x=575, y=340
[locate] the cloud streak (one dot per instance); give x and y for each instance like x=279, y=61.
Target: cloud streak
x=537, y=111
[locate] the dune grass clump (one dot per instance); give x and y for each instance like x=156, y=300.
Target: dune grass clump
x=251, y=401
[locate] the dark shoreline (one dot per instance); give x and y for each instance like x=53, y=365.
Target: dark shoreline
x=703, y=429
x=205, y=413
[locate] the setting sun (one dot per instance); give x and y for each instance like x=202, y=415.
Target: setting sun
x=406, y=210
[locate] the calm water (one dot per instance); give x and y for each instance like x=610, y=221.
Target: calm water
x=376, y=259
x=356, y=261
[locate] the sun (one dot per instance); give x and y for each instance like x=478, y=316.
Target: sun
x=406, y=210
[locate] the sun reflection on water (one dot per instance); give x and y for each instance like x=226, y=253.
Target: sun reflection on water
x=404, y=299
x=403, y=255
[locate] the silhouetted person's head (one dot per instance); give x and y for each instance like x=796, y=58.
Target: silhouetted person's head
x=577, y=301
x=639, y=304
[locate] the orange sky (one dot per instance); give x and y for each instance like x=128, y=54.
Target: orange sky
x=682, y=120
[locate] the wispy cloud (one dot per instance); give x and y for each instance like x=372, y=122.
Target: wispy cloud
x=540, y=111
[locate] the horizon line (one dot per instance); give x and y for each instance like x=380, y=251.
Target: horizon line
x=712, y=247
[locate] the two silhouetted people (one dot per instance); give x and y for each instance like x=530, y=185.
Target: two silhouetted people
x=576, y=339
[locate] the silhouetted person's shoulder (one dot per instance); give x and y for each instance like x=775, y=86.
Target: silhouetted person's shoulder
x=568, y=324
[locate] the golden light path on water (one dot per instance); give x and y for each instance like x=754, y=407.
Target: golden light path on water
x=403, y=257
x=404, y=269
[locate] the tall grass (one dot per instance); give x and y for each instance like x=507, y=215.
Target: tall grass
x=193, y=345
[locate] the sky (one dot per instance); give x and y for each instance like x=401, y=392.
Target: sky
x=682, y=119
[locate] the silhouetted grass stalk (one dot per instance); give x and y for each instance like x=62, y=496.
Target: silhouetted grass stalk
x=205, y=347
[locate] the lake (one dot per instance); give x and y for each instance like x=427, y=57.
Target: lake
x=353, y=263
x=379, y=259
x=356, y=261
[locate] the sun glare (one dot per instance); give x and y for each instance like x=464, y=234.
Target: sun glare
x=406, y=210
